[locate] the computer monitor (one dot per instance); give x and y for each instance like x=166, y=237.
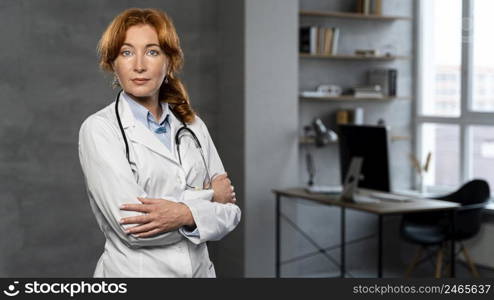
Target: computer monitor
x=371, y=144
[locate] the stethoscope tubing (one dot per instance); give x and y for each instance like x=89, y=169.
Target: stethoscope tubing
x=177, y=138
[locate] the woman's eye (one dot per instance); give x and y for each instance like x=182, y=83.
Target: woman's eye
x=126, y=53
x=154, y=52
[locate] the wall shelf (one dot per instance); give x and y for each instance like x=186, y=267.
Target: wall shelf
x=350, y=15
x=350, y=99
x=352, y=57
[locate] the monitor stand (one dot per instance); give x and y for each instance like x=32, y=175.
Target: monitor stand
x=350, y=187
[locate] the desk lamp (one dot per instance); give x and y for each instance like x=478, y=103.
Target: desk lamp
x=322, y=136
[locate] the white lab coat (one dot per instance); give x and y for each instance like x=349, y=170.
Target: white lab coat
x=154, y=172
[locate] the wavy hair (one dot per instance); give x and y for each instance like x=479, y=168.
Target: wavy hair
x=111, y=41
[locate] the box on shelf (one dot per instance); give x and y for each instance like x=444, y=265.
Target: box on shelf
x=386, y=78
x=350, y=116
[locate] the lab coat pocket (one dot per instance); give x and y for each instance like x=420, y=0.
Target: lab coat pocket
x=196, y=175
x=133, y=163
x=133, y=167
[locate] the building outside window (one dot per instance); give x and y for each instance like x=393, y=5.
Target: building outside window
x=455, y=80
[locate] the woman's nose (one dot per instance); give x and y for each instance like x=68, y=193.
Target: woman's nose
x=139, y=65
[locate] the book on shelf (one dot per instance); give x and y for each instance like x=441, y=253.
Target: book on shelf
x=318, y=40
x=336, y=37
x=385, y=78
x=328, y=39
x=368, y=91
x=369, y=7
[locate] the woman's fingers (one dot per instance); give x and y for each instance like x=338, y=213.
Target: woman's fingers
x=140, y=228
x=220, y=177
x=137, y=207
x=149, y=200
x=149, y=233
x=136, y=220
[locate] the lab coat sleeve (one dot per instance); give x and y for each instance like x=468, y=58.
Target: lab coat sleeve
x=110, y=181
x=213, y=220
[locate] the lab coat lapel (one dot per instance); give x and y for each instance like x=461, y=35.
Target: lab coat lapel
x=138, y=133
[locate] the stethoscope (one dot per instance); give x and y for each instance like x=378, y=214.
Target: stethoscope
x=181, y=132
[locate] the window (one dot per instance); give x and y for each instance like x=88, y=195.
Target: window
x=442, y=60
x=455, y=111
x=482, y=153
x=483, y=60
x=443, y=141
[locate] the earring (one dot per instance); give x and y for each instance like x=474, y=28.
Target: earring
x=115, y=83
x=166, y=79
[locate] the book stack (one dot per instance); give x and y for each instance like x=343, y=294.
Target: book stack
x=385, y=78
x=319, y=40
x=368, y=91
x=369, y=7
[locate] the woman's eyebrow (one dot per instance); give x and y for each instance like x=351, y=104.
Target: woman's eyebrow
x=147, y=46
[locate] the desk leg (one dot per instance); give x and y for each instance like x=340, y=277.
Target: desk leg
x=277, y=233
x=380, y=247
x=453, y=258
x=342, y=243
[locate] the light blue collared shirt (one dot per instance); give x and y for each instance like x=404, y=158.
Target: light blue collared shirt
x=161, y=130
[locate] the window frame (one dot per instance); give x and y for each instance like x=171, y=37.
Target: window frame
x=467, y=117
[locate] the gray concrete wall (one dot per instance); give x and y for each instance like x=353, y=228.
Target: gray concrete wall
x=271, y=112
x=229, y=253
x=49, y=84
x=258, y=116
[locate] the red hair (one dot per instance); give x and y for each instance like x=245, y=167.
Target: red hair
x=113, y=38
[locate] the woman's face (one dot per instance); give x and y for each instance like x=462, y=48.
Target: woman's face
x=141, y=65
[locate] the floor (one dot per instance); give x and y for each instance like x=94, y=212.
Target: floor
x=425, y=270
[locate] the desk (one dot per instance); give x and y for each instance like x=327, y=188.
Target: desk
x=381, y=209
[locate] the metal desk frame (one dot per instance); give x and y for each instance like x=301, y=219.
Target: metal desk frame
x=380, y=209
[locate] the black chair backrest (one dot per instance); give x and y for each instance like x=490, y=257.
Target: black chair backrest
x=468, y=220
x=473, y=192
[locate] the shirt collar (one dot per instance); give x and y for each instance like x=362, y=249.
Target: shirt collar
x=142, y=114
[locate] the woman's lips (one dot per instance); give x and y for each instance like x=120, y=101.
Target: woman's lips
x=140, y=81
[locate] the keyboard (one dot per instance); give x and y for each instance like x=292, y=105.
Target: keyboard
x=324, y=189
x=390, y=197
x=364, y=199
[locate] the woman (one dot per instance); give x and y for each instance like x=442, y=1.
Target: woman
x=156, y=199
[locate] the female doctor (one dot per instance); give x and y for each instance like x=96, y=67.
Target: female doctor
x=155, y=181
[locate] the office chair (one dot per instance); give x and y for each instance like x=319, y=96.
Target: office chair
x=432, y=229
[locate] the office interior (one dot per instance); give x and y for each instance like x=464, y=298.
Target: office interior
x=245, y=73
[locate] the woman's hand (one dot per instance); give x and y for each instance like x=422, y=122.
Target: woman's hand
x=161, y=216
x=223, y=189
